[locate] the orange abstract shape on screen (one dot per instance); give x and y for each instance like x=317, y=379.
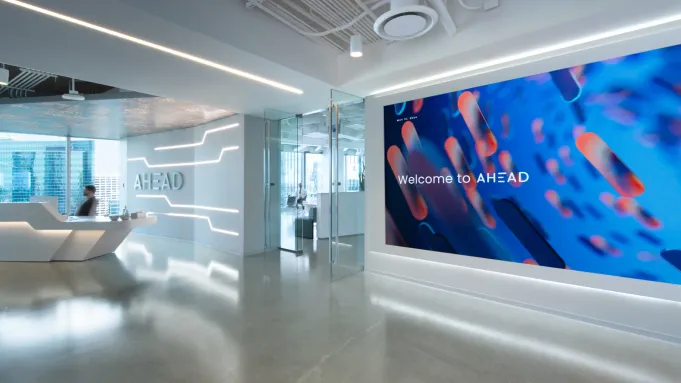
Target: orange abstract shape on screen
x=479, y=206
x=553, y=167
x=624, y=205
x=398, y=164
x=410, y=137
x=555, y=201
x=564, y=154
x=507, y=164
x=538, y=130
x=578, y=130
x=457, y=158
x=485, y=141
x=417, y=105
x=602, y=244
x=607, y=198
x=611, y=167
x=505, y=126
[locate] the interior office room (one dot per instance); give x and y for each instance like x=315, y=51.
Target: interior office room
x=354, y=191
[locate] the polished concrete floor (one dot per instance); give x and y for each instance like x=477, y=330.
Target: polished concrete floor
x=169, y=311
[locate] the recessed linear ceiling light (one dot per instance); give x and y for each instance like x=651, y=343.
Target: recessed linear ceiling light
x=155, y=46
x=461, y=72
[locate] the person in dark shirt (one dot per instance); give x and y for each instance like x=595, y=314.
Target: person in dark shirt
x=89, y=206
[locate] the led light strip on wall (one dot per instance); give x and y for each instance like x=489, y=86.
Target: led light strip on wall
x=201, y=217
x=197, y=207
x=179, y=164
x=468, y=70
x=155, y=46
x=203, y=140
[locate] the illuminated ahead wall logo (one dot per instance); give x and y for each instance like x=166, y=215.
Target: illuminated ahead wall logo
x=159, y=181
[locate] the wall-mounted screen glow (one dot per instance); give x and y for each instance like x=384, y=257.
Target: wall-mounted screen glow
x=579, y=168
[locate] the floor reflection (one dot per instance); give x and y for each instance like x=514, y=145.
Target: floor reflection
x=170, y=311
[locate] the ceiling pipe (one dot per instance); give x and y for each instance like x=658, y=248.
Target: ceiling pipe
x=324, y=24
x=323, y=33
x=32, y=83
x=445, y=17
x=19, y=85
x=25, y=88
x=366, y=9
x=327, y=9
x=11, y=82
x=323, y=10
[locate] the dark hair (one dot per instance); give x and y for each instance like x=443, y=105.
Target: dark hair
x=91, y=188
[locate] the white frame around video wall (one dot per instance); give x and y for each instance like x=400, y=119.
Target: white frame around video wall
x=602, y=298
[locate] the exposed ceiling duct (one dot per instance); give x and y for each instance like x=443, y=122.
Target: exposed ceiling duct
x=331, y=21
x=32, y=83
x=23, y=83
x=335, y=22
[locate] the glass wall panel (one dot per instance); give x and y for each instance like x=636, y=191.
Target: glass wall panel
x=283, y=143
x=354, y=166
x=346, y=210
x=97, y=162
x=33, y=166
x=313, y=170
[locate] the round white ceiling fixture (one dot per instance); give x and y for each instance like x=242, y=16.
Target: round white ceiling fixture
x=405, y=20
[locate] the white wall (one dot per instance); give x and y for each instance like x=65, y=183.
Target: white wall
x=235, y=182
x=633, y=305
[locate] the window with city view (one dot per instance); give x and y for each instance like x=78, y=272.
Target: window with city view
x=32, y=166
x=96, y=162
x=36, y=166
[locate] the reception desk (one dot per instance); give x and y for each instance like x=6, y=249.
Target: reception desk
x=36, y=232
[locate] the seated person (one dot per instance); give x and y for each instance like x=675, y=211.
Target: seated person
x=89, y=207
x=301, y=197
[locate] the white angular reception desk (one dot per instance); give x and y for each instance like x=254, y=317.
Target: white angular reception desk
x=36, y=232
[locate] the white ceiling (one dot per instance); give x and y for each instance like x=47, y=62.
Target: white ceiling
x=225, y=31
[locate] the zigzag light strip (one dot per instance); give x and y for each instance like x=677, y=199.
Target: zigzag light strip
x=197, y=207
x=203, y=140
x=180, y=164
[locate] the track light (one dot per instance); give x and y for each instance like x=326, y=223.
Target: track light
x=4, y=77
x=356, y=46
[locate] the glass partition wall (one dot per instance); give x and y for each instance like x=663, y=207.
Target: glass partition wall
x=346, y=184
x=40, y=168
x=314, y=178
x=285, y=195
x=33, y=166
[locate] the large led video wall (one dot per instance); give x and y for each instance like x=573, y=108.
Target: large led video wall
x=579, y=168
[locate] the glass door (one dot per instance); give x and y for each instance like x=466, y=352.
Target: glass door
x=285, y=226
x=346, y=184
